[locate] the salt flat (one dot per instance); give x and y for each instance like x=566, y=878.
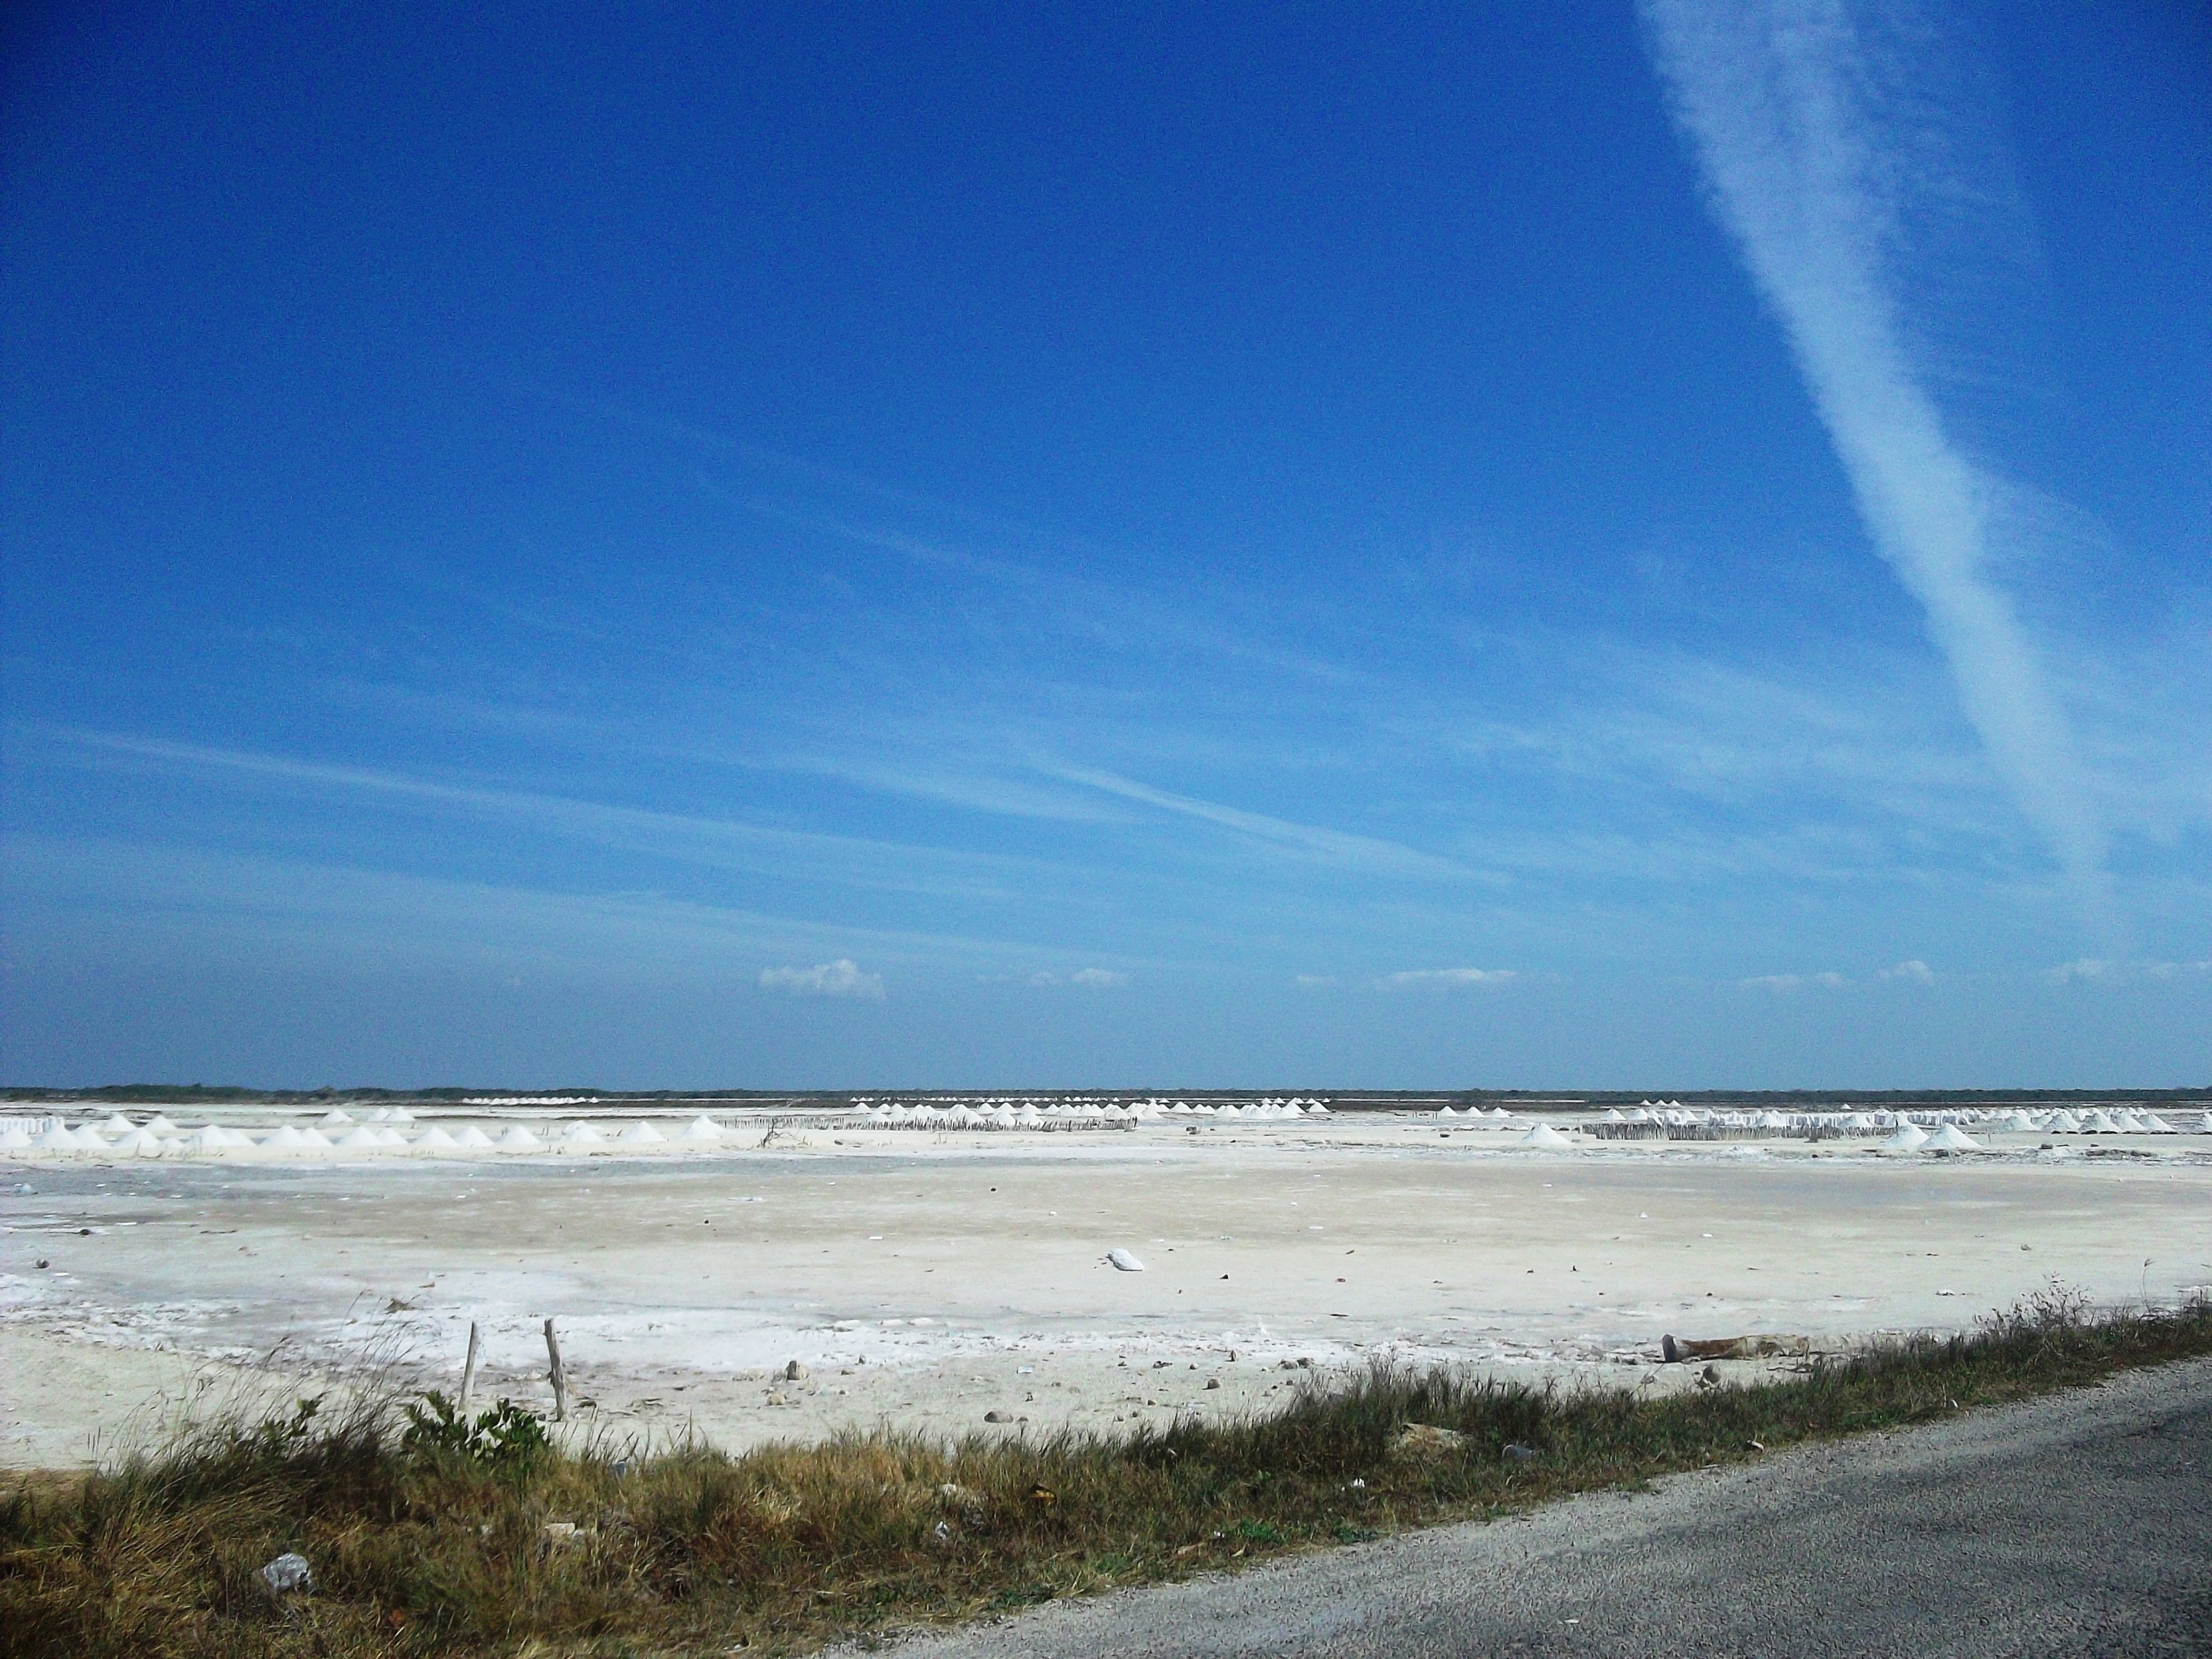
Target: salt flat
x=923, y=1279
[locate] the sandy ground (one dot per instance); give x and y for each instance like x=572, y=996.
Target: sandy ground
x=924, y=1279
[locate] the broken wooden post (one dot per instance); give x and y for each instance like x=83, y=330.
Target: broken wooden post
x=469, y=1369
x=560, y=1376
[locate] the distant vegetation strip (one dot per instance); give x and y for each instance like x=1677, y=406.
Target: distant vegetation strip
x=429, y=1532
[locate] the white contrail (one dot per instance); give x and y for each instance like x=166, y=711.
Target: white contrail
x=1780, y=99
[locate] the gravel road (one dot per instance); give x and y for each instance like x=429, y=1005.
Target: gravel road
x=2080, y=1524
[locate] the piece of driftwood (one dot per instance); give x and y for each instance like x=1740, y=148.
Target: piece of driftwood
x=469, y=1368
x=1680, y=1349
x=559, y=1375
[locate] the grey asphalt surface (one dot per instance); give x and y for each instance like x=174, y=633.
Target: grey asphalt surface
x=2080, y=1524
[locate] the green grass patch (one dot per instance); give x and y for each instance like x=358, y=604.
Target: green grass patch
x=429, y=1533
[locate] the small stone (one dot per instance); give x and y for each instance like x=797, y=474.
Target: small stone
x=795, y=1372
x=1521, y=1454
x=998, y=1417
x=1212, y=1381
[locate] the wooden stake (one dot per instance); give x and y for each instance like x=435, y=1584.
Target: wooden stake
x=560, y=1376
x=469, y=1370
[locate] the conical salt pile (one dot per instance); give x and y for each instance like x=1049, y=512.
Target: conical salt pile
x=434, y=1139
x=359, y=1138
x=314, y=1138
x=701, y=1128
x=472, y=1136
x=2127, y=1123
x=519, y=1139
x=117, y=1124
x=387, y=1136
x=211, y=1138
x=2063, y=1123
x=1909, y=1138
x=1544, y=1135
x=642, y=1134
x=1952, y=1138
x=285, y=1139
x=59, y=1138
x=582, y=1134
x=159, y=1124
x=1446, y=1111
x=2019, y=1123
x=400, y=1114
x=141, y=1143
x=1612, y=1115
x=335, y=1119
x=2153, y=1124
x=2097, y=1124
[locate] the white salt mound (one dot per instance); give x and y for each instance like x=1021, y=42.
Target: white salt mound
x=1544, y=1135
x=1123, y=1259
x=642, y=1134
x=701, y=1128
x=582, y=1134
x=1909, y=1138
x=519, y=1140
x=472, y=1136
x=434, y=1139
x=335, y=1119
x=1952, y=1138
x=358, y=1138
x=117, y=1124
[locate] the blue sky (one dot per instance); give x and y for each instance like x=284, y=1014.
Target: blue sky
x=1516, y=545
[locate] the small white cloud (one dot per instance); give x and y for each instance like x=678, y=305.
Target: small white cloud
x=840, y=978
x=1313, y=982
x=1091, y=979
x=2083, y=968
x=1915, y=970
x=2175, y=969
x=1792, y=981
x=1444, y=978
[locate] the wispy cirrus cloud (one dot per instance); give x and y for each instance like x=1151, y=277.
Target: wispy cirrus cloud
x=1792, y=107
x=1336, y=846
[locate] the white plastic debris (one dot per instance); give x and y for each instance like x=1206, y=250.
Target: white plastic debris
x=1123, y=1259
x=289, y=1574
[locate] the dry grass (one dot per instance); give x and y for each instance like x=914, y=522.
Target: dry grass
x=419, y=1546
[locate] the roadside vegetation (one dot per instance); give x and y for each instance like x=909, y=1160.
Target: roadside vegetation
x=428, y=1531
